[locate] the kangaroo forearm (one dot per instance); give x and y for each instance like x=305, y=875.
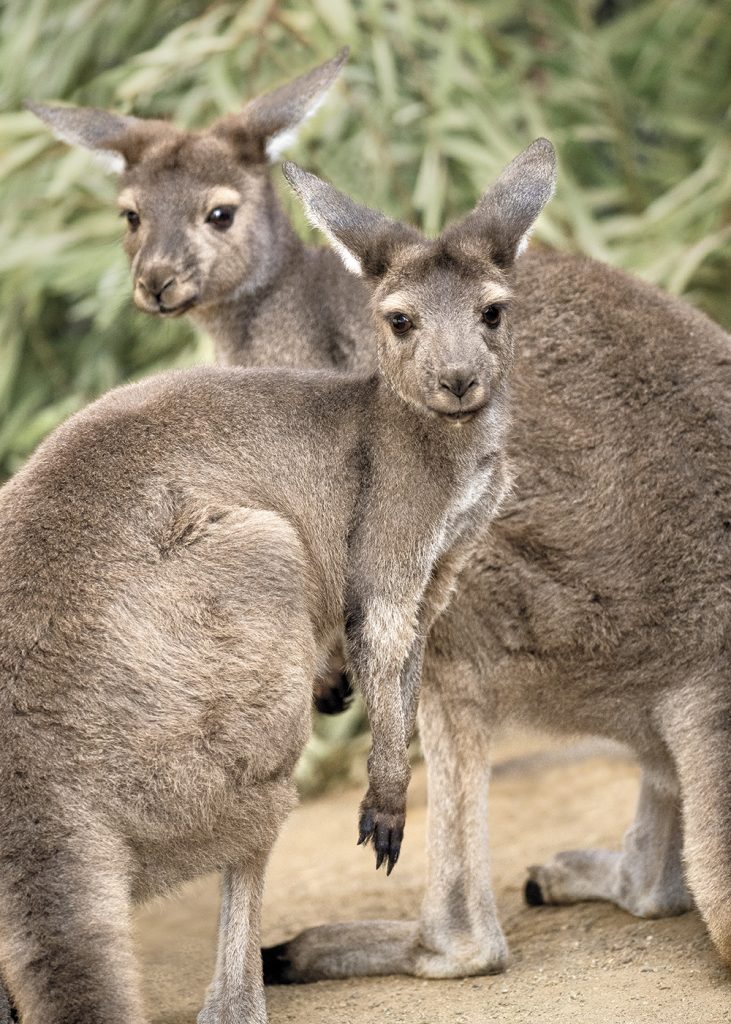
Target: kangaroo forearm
x=379, y=637
x=388, y=762
x=389, y=774
x=379, y=641
x=411, y=683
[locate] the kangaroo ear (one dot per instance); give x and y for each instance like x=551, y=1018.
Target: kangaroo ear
x=505, y=215
x=269, y=123
x=100, y=131
x=364, y=239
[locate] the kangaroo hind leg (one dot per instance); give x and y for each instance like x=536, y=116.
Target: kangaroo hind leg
x=699, y=735
x=458, y=933
x=237, y=991
x=645, y=877
x=65, y=947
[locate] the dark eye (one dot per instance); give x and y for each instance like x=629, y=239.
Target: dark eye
x=132, y=218
x=400, y=323
x=491, y=316
x=221, y=218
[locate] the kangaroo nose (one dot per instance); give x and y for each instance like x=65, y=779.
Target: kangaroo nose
x=458, y=382
x=155, y=281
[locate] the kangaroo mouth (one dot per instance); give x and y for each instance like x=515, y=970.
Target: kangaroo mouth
x=459, y=415
x=173, y=311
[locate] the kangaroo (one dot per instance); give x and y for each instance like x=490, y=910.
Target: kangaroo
x=599, y=603
x=218, y=245
x=174, y=561
x=232, y=260
x=589, y=607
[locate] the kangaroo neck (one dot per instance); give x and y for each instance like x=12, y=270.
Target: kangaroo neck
x=451, y=448
x=277, y=250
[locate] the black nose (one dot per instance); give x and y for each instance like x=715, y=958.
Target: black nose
x=458, y=383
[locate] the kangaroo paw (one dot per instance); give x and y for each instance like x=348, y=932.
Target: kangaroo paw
x=386, y=831
x=334, y=694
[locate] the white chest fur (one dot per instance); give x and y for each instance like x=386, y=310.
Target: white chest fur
x=465, y=509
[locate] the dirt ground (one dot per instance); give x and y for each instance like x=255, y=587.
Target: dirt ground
x=589, y=964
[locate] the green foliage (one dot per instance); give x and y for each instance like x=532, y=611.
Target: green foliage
x=435, y=99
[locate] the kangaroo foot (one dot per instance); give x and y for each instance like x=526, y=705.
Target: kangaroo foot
x=358, y=949
x=571, y=877
x=645, y=887
x=278, y=968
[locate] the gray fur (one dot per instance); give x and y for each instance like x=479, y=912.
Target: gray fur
x=598, y=603
x=175, y=563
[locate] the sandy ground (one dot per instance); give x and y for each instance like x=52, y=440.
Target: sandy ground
x=590, y=964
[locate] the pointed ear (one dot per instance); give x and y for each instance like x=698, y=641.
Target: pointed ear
x=100, y=131
x=269, y=123
x=505, y=215
x=365, y=240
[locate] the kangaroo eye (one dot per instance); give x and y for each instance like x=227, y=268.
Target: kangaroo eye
x=222, y=217
x=132, y=218
x=491, y=316
x=400, y=323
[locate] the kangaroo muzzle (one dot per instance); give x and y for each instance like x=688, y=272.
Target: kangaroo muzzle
x=161, y=291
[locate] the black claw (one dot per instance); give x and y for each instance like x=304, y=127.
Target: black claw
x=367, y=825
x=380, y=857
x=394, y=852
x=533, y=894
x=277, y=966
x=338, y=698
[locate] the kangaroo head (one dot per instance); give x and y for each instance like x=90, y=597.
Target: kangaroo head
x=197, y=204
x=441, y=306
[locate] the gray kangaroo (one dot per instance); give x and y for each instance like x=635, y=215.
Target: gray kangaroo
x=599, y=600
x=174, y=562
x=218, y=245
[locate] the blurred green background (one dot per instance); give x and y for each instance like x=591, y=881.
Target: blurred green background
x=436, y=98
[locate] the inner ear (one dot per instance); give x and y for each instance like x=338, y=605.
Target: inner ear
x=269, y=123
x=365, y=239
x=380, y=249
x=116, y=140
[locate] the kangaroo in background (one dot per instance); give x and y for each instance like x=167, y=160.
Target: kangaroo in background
x=599, y=600
x=174, y=561
x=221, y=249
x=218, y=245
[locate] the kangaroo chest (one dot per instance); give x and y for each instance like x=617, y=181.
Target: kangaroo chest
x=475, y=500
